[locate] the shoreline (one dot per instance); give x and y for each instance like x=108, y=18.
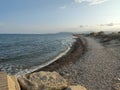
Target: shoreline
x=72, y=54
x=49, y=62
x=35, y=68
x=76, y=51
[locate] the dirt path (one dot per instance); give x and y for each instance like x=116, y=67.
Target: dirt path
x=95, y=70
x=99, y=67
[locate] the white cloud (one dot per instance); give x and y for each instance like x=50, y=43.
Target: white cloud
x=91, y=2
x=83, y=26
x=63, y=7
x=78, y=1
x=113, y=26
x=110, y=24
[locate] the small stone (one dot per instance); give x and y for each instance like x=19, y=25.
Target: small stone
x=118, y=79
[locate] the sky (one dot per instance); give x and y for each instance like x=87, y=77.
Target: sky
x=52, y=16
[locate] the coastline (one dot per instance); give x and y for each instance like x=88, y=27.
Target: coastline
x=47, y=75
x=71, y=55
x=79, y=69
x=27, y=71
x=64, y=58
x=75, y=52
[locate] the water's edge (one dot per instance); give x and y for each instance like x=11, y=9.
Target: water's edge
x=27, y=71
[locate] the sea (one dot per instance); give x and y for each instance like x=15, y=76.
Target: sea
x=25, y=53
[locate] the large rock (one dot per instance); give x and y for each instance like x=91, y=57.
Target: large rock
x=116, y=86
x=42, y=81
x=77, y=87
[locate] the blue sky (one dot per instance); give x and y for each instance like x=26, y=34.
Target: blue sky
x=51, y=16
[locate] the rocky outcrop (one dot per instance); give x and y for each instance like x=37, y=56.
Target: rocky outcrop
x=36, y=81
x=77, y=87
x=42, y=81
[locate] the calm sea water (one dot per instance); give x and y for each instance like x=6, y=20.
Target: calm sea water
x=19, y=52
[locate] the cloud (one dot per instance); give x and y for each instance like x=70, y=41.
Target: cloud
x=91, y=2
x=101, y=25
x=109, y=24
x=63, y=7
x=83, y=26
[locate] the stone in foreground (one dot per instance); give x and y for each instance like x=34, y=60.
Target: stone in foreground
x=116, y=86
x=77, y=87
x=42, y=81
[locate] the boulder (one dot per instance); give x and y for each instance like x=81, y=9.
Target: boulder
x=116, y=86
x=42, y=81
x=77, y=87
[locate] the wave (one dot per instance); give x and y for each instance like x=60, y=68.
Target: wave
x=27, y=71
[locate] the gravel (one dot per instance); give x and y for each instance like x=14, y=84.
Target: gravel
x=96, y=69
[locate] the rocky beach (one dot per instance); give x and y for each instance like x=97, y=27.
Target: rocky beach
x=98, y=67
x=60, y=45
x=91, y=64
x=76, y=51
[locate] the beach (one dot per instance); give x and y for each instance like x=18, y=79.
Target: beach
x=95, y=66
x=21, y=53
x=76, y=51
x=60, y=66
x=92, y=62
